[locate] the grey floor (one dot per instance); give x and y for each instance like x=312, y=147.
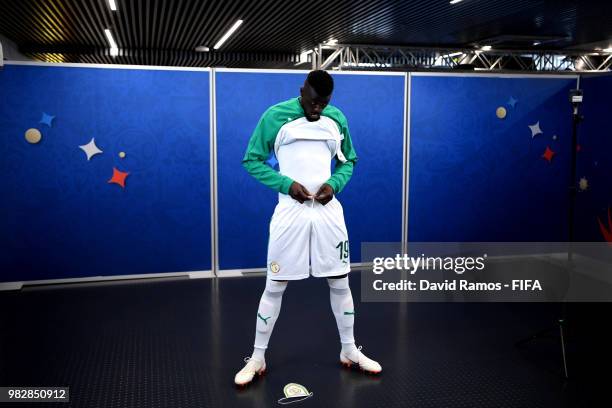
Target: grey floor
x=178, y=343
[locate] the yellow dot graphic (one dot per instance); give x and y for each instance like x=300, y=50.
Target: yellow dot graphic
x=33, y=135
x=122, y=154
x=501, y=112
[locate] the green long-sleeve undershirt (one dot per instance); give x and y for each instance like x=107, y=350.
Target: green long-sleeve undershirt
x=262, y=143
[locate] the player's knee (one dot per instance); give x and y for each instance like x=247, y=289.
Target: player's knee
x=269, y=306
x=346, y=313
x=339, y=284
x=276, y=286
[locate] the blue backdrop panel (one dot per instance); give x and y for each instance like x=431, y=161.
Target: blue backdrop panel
x=373, y=198
x=60, y=216
x=475, y=177
x=594, y=161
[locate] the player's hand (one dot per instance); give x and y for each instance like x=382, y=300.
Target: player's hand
x=299, y=193
x=325, y=194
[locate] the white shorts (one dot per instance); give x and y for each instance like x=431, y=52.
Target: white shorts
x=307, y=238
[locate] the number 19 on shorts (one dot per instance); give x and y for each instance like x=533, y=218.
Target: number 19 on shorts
x=343, y=248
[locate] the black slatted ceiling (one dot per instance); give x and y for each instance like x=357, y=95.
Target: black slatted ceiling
x=165, y=32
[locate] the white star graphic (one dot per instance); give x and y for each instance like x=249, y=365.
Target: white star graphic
x=584, y=184
x=535, y=129
x=90, y=149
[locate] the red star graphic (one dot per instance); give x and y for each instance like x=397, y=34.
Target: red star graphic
x=118, y=177
x=548, y=154
x=606, y=232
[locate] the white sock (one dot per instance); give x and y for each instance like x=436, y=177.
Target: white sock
x=259, y=354
x=349, y=348
x=341, y=301
x=269, y=309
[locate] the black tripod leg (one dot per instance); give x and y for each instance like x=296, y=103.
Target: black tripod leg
x=563, y=347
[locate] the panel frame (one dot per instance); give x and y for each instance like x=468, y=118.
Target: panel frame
x=208, y=273
x=243, y=272
x=466, y=75
x=107, y=66
x=214, y=271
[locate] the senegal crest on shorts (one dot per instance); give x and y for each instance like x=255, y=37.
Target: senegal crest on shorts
x=274, y=267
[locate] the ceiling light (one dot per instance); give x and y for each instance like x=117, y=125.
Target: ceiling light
x=202, y=48
x=455, y=1
x=486, y=48
x=304, y=56
x=536, y=43
x=114, y=50
x=112, y=5
x=607, y=49
x=227, y=35
x=332, y=41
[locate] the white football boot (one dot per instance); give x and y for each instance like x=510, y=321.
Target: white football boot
x=252, y=367
x=366, y=364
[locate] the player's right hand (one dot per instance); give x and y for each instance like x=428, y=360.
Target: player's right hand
x=299, y=193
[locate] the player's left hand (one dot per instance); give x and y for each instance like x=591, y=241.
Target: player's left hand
x=325, y=194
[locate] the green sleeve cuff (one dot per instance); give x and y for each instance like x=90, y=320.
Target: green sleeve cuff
x=285, y=185
x=332, y=183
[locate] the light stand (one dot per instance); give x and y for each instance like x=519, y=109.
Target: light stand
x=576, y=100
x=575, y=96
